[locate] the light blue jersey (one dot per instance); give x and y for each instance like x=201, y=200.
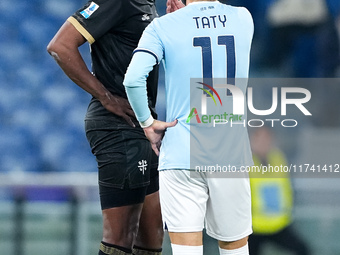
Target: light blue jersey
x=204, y=46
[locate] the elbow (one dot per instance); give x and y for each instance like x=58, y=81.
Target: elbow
x=131, y=79
x=128, y=81
x=53, y=49
x=57, y=48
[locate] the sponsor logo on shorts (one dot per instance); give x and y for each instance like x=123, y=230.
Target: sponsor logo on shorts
x=142, y=165
x=89, y=10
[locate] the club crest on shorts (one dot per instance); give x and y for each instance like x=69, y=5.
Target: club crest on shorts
x=142, y=165
x=145, y=17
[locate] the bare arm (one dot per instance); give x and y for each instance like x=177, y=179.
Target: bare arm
x=64, y=49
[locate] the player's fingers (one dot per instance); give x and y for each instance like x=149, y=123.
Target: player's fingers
x=159, y=145
x=168, y=9
x=125, y=103
x=169, y=6
x=173, y=6
x=178, y=4
x=131, y=113
x=155, y=149
x=171, y=124
x=128, y=120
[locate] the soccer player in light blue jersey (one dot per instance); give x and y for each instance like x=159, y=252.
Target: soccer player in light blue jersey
x=205, y=121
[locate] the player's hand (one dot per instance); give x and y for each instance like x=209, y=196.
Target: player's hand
x=156, y=132
x=173, y=5
x=119, y=106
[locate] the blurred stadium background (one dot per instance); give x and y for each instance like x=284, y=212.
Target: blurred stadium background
x=48, y=192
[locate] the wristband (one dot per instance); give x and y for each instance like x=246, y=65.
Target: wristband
x=147, y=123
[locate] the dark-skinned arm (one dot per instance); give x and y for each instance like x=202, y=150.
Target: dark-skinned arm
x=64, y=48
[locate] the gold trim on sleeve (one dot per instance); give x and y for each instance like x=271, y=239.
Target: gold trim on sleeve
x=81, y=29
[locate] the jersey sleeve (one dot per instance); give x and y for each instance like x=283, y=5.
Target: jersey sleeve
x=97, y=17
x=135, y=83
x=151, y=43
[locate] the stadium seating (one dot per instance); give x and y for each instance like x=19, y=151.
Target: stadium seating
x=41, y=110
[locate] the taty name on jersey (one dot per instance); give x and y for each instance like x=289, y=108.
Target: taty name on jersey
x=210, y=22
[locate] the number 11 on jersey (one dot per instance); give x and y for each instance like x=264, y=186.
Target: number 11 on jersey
x=205, y=43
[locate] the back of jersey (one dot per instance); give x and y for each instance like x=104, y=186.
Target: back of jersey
x=205, y=46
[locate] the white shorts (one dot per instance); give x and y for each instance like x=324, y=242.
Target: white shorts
x=189, y=201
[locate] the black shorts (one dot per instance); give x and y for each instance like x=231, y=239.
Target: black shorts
x=126, y=162
x=114, y=197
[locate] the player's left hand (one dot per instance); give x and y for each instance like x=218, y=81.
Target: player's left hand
x=156, y=132
x=173, y=5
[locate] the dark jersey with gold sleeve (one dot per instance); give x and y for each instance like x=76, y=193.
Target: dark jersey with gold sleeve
x=113, y=29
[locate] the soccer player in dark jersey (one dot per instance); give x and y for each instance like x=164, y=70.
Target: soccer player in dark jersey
x=128, y=177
